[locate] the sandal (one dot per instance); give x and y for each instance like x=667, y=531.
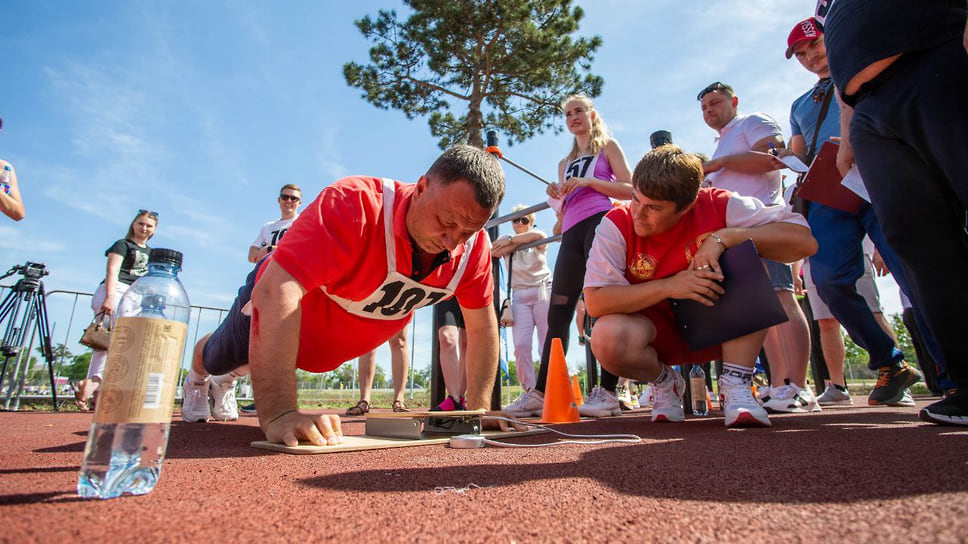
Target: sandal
x=361, y=408
x=399, y=406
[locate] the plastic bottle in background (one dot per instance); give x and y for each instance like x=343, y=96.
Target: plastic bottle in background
x=127, y=441
x=697, y=391
x=5, y=179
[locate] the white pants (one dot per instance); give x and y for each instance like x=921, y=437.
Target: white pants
x=529, y=307
x=98, y=357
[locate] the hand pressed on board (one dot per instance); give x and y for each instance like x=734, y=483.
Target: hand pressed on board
x=699, y=285
x=504, y=426
x=296, y=426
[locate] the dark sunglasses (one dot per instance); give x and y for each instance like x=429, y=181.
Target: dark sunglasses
x=712, y=87
x=149, y=212
x=522, y=220
x=290, y=198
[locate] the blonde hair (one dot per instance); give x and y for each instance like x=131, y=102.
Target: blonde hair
x=142, y=213
x=520, y=207
x=598, y=135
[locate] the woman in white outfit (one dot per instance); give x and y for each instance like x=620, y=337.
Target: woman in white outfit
x=127, y=261
x=530, y=290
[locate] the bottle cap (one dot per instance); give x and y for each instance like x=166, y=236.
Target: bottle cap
x=161, y=255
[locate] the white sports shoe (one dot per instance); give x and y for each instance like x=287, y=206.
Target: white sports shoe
x=667, y=405
x=906, y=400
x=833, y=396
x=222, y=391
x=764, y=393
x=600, y=403
x=739, y=406
x=530, y=404
x=627, y=399
x=790, y=398
x=195, y=400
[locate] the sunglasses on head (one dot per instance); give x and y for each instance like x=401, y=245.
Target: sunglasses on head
x=522, y=220
x=712, y=87
x=149, y=212
x=290, y=198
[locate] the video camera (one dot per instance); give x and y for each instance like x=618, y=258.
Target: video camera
x=31, y=271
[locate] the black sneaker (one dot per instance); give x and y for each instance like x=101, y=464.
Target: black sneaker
x=891, y=383
x=248, y=408
x=951, y=410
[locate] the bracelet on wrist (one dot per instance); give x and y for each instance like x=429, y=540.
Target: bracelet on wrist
x=716, y=237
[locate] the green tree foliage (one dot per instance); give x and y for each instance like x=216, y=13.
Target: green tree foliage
x=76, y=369
x=468, y=64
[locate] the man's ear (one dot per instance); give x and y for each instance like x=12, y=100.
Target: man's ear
x=735, y=101
x=422, y=185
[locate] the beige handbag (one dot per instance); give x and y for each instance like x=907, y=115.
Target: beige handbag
x=97, y=335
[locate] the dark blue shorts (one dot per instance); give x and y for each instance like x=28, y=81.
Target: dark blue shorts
x=228, y=347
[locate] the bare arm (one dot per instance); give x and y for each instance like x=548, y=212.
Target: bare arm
x=482, y=355
x=507, y=244
x=782, y=242
x=12, y=205
x=273, y=347
x=254, y=252
x=756, y=161
x=845, y=153
x=799, y=146
x=112, y=270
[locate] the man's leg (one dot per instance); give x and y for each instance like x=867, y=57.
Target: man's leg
x=400, y=363
x=789, y=392
x=365, y=369
x=740, y=408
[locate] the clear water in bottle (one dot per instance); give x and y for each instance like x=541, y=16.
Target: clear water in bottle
x=697, y=390
x=129, y=436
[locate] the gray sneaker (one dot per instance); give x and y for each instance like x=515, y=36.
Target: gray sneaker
x=834, y=396
x=530, y=404
x=600, y=403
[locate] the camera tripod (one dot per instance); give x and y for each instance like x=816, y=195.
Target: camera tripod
x=25, y=309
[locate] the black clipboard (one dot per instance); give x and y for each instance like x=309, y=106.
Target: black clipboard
x=749, y=304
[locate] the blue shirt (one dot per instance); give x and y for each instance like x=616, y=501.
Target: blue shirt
x=803, y=118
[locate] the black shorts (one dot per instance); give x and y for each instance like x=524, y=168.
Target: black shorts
x=448, y=313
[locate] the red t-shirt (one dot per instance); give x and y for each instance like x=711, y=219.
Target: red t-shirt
x=666, y=254
x=339, y=242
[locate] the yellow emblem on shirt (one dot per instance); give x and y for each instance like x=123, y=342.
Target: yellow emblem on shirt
x=643, y=267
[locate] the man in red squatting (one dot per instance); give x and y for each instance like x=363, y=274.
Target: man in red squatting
x=351, y=270
x=666, y=244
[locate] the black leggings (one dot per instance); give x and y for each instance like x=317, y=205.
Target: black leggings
x=566, y=288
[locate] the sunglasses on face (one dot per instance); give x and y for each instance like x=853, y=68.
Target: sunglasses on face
x=149, y=212
x=522, y=220
x=712, y=87
x=290, y=198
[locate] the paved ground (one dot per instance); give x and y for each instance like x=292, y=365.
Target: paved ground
x=844, y=475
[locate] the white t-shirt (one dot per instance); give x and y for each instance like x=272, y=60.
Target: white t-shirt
x=738, y=136
x=606, y=261
x=530, y=266
x=272, y=232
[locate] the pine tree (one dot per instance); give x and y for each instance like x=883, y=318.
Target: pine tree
x=470, y=64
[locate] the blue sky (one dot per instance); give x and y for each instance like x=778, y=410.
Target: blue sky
x=202, y=110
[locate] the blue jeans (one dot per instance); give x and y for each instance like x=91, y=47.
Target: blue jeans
x=909, y=136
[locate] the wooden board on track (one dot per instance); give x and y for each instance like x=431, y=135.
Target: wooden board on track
x=360, y=443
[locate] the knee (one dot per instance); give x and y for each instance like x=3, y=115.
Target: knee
x=447, y=336
x=398, y=342
x=608, y=341
x=198, y=363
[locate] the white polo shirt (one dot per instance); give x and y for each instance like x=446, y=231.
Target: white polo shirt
x=738, y=136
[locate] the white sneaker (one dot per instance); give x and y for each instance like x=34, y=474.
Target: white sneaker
x=667, y=405
x=222, y=391
x=195, y=400
x=833, y=396
x=906, y=400
x=647, y=398
x=764, y=393
x=627, y=399
x=791, y=399
x=739, y=406
x=530, y=404
x=600, y=403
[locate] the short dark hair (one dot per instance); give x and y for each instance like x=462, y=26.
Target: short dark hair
x=292, y=186
x=474, y=165
x=669, y=173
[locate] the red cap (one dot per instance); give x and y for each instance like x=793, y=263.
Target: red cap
x=806, y=29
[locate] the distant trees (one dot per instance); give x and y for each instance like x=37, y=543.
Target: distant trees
x=468, y=64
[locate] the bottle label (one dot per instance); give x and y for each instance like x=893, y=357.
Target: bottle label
x=141, y=373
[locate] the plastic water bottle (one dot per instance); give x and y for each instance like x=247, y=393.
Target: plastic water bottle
x=697, y=390
x=128, y=438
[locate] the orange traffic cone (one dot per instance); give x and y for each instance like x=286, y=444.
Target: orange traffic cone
x=576, y=391
x=559, y=401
